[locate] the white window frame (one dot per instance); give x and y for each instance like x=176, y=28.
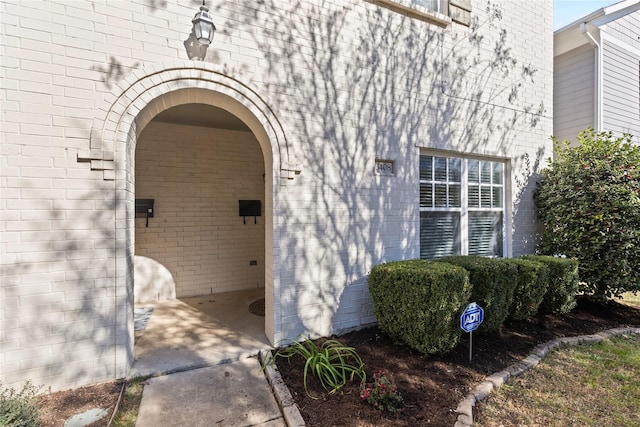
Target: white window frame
x=464, y=208
x=413, y=9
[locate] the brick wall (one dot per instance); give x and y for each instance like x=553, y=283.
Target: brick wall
x=196, y=176
x=328, y=87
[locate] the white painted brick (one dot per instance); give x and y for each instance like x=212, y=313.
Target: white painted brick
x=9, y=324
x=331, y=223
x=32, y=204
x=42, y=130
x=16, y=356
x=24, y=247
x=39, y=362
x=10, y=193
x=26, y=225
x=29, y=77
x=41, y=236
x=11, y=345
x=190, y=229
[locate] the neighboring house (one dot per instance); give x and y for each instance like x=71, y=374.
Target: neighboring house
x=364, y=132
x=597, y=73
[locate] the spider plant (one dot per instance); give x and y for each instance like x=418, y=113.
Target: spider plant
x=332, y=363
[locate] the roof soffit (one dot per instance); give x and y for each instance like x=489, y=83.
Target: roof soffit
x=571, y=36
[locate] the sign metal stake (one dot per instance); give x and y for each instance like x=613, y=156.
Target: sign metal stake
x=471, y=318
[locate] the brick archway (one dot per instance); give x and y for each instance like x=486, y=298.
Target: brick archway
x=148, y=91
x=119, y=122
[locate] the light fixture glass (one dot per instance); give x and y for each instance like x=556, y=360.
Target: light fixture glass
x=203, y=27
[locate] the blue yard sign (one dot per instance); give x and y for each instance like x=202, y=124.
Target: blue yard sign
x=471, y=318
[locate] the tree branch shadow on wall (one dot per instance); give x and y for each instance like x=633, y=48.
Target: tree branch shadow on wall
x=526, y=183
x=69, y=323
x=350, y=106
x=360, y=88
x=114, y=71
x=59, y=299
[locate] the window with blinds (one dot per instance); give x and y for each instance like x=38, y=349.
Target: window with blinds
x=461, y=207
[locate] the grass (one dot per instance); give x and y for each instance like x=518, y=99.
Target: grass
x=594, y=385
x=631, y=299
x=128, y=410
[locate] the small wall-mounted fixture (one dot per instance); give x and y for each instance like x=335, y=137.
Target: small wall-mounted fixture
x=250, y=208
x=144, y=209
x=201, y=34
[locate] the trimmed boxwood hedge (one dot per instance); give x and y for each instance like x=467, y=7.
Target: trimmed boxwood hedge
x=419, y=302
x=560, y=297
x=531, y=286
x=493, y=281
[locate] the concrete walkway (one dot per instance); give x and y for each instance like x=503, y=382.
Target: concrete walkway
x=202, y=354
x=196, y=332
x=233, y=394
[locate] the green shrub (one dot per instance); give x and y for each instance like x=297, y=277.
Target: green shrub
x=532, y=284
x=563, y=283
x=419, y=302
x=492, y=283
x=19, y=408
x=588, y=200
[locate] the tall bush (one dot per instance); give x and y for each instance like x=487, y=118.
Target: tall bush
x=419, y=302
x=492, y=283
x=588, y=200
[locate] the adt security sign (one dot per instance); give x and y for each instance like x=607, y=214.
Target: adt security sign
x=472, y=317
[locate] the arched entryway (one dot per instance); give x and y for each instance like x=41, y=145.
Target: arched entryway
x=199, y=264
x=134, y=104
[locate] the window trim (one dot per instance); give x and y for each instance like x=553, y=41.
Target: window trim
x=410, y=9
x=464, y=208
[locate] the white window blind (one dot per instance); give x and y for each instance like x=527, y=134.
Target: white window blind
x=485, y=234
x=439, y=234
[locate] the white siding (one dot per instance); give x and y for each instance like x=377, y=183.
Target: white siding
x=626, y=29
x=621, y=90
x=573, y=92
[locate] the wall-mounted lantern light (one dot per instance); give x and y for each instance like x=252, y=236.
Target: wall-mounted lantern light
x=201, y=34
x=203, y=27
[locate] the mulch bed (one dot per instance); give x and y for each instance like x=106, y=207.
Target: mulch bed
x=432, y=386
x=56, y=408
